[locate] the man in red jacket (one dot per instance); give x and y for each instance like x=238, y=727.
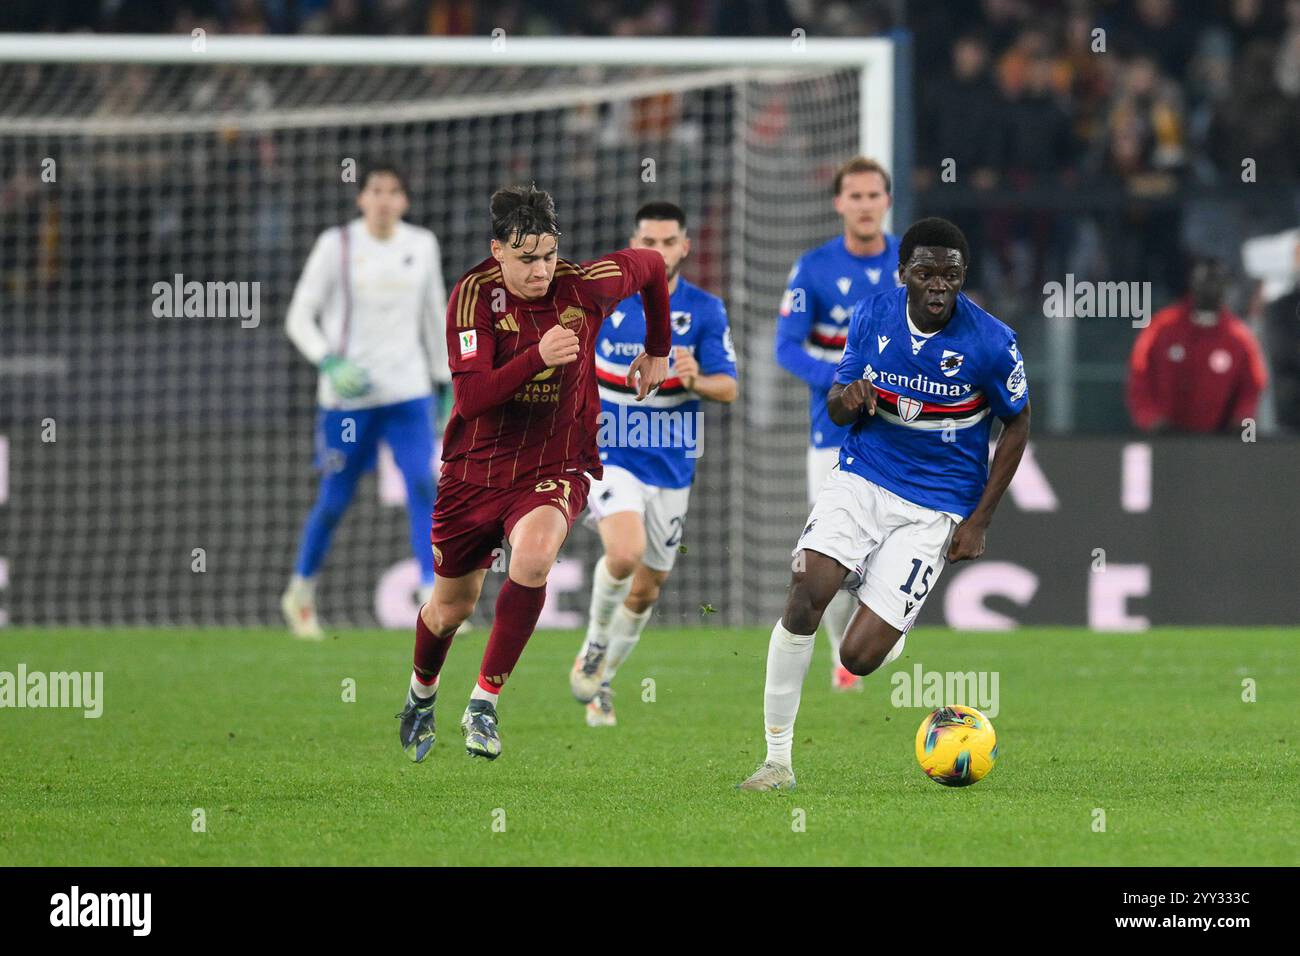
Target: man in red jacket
x=521, y=333
x=1196, y=367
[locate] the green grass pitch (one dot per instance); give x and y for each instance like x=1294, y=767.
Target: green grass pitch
x=252, y=727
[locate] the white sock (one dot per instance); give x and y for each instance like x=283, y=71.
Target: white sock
x=303, y=588
x=607, y=594
x=836, y=620
x=788, y=657
x=624, y=631
x=422, y=690
x=478, y=693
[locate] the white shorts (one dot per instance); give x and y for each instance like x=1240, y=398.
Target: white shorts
x=894, y=549
x=663, y=510
x=821, y=462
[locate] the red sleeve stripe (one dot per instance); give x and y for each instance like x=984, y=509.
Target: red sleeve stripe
x=828, y=341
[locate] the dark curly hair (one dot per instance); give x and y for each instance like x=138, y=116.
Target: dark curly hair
x=522, y=211
x=932, y=232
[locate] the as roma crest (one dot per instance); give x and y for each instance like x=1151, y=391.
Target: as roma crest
x=571, y=314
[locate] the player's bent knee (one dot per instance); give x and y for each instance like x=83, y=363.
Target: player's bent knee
x=862, y=656
x=620, y=562
x=859, y=660
x=443, y=616
x=529, y=577
x=530, y=566
x=803, y=612
x=641, y=598
x=429, y=616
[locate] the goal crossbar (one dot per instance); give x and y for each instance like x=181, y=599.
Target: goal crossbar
x=873, y=56
x=447, y=51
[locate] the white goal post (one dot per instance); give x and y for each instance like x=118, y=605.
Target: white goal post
x=874, y=57
x=137, y=158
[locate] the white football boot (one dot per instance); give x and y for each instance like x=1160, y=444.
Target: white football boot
x=770, y=776
x=300, y=614
x=588, y=672
x=600, y=709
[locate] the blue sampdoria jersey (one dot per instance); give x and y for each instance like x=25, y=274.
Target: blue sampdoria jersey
x=659, y=439
x=824, y=286
x=929, y=439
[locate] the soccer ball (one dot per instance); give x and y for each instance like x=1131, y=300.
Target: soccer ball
x=956, y=746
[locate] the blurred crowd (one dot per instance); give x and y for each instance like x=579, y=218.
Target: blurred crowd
x=1017, y=92
x=458, y=17
x=1104, y=138
x=1128, y=140
x=1143, y=91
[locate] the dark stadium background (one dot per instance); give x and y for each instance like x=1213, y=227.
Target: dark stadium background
x=1120, y=170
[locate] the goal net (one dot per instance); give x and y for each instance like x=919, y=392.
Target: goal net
x=156, y=465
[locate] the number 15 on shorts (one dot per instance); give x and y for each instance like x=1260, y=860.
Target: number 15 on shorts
x=906, y=586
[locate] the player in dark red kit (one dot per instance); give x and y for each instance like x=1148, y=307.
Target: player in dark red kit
x=521, y=442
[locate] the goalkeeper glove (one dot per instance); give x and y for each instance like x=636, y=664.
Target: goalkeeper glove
x=349, y=379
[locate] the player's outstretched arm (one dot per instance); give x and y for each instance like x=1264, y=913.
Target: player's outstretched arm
x=618, y=275
x=847, y=402
x=648, y=275
x=968, y=539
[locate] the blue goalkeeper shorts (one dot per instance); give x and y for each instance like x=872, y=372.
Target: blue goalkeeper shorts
x=348, y=441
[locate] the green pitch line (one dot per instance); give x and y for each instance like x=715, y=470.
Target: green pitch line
x=251, y=727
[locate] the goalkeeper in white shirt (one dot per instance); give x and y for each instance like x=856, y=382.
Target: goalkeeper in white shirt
x=369, y=312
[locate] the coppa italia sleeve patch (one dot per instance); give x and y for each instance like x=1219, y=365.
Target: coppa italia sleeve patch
x=468, y=343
